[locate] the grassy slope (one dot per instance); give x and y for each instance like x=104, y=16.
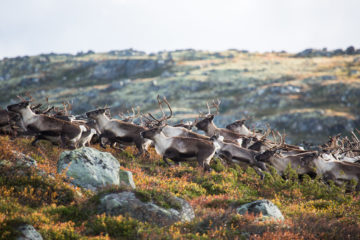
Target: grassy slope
x=309, y=98
x=312, y=209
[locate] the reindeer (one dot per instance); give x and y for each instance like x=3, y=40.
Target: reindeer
x=302, y=162
x=8, y=122
x=237, y=154
x=46, y=127
x=207, y=125
x=188, y=124
x=239, y=127
x=119, y=131
x=337, y=171
x=172, y=131
x=130, y=118
x=181, y=149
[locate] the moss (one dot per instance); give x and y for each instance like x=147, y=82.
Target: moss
x=116, y=227
x=160, y=198
x=217, y=165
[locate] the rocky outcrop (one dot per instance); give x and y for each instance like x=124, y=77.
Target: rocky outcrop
x=127, y=68
x=90, y=168
x=28, y=232
x=265, y=207
x=311, y=52
x=126, y=203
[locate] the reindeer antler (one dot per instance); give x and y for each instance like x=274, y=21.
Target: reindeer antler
x=164, y=117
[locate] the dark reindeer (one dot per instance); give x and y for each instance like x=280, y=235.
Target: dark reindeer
x=172, y=131
x=207, y=125
x=237, y=154
x=45, y=127
x=118, y=131
x=181, y=149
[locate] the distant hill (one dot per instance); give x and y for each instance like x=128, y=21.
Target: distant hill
x=309, y=95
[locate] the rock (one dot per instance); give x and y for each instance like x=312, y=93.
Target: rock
x=90, y=168
x=167, y=74
x=118, y=85
x=266, y=207
x=338, y=51
x=24, y=160
x=28, y=232
x=350, y=50
x=126, y=178
x=127, y=203
x=328, y=77
x=126, y=68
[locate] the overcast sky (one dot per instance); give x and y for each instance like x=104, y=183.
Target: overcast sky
x=30, y=27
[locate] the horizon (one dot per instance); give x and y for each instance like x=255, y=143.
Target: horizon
x=29, y=28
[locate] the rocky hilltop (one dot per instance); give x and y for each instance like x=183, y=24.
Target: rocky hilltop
x=310, y=95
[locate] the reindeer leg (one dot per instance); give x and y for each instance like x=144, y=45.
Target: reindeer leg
x=37, y=138
x=259, y=172
x=166, y=161
x=63, y=141
x=101, y=141
x=204, y=161
x=139, y=146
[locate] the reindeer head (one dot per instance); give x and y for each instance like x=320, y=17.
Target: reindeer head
x=96, y=113
x=150, y=134
x=18, y=107
x=203, y=124
x=236, y=125
x=209, y=117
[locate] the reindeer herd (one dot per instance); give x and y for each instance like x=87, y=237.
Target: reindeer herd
x=337, y=160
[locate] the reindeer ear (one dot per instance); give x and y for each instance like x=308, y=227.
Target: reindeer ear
x=211, y=117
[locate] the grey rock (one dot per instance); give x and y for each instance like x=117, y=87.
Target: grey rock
x=126, y=178
x=328, y=77
x=90, y=168
x=28, y=232
x=350, y=50
x=115, y=204
x=24, y=160
x=266, y=207
x=125, y=68
x=338, y=52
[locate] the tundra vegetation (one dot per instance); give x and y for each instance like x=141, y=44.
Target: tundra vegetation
x=317, y=191
x=316, y=188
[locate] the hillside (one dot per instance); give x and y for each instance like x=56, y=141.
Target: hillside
x=32, y=192
x=310, y=96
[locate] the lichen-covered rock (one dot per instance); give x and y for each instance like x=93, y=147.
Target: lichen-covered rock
x=126, y=203
x=28, y=232
x=126, y=179
x=90, y=168
x=266, y=207
x=24, y=160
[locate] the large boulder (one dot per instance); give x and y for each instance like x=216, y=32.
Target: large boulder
x=265, y=207
x=28, y=232
x=90, y=168
x=126, y=203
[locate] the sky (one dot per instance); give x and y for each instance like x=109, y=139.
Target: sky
x=31, y=27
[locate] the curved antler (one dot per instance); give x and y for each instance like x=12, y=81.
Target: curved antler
x=164, y=117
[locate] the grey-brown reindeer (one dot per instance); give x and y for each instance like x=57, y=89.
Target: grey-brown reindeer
x=124, y=133
x=172, y=131
x=236, y=154
x=207, y=125
x=46, y=127
x=181, y=149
